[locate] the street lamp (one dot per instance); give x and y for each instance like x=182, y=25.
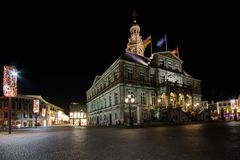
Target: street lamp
x=159, y=101
x=129, y=99
x=187, y=106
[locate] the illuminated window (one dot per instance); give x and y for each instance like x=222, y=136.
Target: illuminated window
x=189, y=100
x=162, y=99
x=143, y=100
x=75, y=115
x=81, y=115
x=173, y=98
x=25, y=115
x=153, y=99
x=181, y=99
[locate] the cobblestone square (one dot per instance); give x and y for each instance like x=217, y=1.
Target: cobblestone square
x=207, y=141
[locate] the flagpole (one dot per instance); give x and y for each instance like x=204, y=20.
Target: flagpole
x=151, y=43
x=166, y=40
x=177, y=51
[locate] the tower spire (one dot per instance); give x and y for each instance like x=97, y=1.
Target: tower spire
x=134, y=15
x=135, y=43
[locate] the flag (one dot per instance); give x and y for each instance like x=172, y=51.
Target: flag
x=147, y=41
x=175, y=52
x=161, y=41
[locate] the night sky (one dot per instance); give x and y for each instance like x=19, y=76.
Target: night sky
x=60, y=48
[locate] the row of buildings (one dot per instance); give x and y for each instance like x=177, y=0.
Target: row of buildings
x=225, y=110
x=23, y=115
x=30, y=111
x=33, y=111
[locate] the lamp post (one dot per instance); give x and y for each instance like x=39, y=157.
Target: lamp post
x=129, y=99
x=236, y=113
x=9, y=116
x=36, y=120
x=159, y=108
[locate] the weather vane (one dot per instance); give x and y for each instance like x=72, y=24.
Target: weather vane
x=134, y=16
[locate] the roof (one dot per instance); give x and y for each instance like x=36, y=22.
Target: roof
x=96, y=79
x=131, y=57
x=169, y=54
x=186, y=74
x=77, y=107
x=40, y=98
x=32, y=97
x=135, y=58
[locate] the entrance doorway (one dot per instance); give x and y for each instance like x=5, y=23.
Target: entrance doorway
x=110, y=119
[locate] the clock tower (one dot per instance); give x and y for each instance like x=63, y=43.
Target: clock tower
x=135, y=43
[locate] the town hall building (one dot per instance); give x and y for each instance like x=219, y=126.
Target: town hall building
x=152, y=85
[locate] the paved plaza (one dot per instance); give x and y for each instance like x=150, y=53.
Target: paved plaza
x=208, y=141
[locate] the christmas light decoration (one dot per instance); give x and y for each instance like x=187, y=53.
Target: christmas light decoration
x=10, y=81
